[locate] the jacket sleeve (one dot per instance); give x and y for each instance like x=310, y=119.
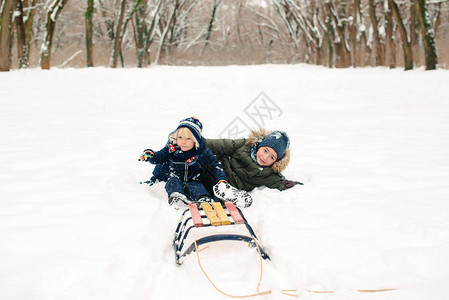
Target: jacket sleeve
x=275, y=182
x=160, y=156
x=224, y=147
x=213, y=167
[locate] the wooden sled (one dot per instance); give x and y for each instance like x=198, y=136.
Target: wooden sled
x=204, y=223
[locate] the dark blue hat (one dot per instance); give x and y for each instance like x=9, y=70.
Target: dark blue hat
x=278, y=141
x=195, y=127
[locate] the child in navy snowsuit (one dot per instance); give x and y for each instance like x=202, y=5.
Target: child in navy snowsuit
x=189, y=163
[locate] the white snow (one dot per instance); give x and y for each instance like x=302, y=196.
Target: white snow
x=370, y=145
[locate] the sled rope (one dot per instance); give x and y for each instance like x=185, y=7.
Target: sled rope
x=290, y=293
x=375, y=291
x=229, y=295
x=294, y=293
x=360, y=291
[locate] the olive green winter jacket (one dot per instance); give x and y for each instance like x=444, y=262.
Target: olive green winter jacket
x=240, y=169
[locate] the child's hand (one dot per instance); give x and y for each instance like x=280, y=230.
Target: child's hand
x=146, y=155
x=289, y=184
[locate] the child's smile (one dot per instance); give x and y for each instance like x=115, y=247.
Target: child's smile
x=266, y=156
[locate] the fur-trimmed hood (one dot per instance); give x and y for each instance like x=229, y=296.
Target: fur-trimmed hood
x=256, y=136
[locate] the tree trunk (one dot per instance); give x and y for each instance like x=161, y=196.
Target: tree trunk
x=211, y=22
x=428, y=35
x=329, y=35
x=121, y=28
x=140, y=33
x=343, y=53
x=23, y=52
x=361, y=43
x=52, y=15
x=28, y=16
x=6, y=7
x=406, y=45
x=89, y=33
x=354, y=31
x=391, y=46
x=378, y=45
x=118, y=37
x=318, y=35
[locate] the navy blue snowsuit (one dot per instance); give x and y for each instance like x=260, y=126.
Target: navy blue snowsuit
x=185, y=172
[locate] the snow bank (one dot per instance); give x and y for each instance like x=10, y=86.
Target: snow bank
x=369, y=144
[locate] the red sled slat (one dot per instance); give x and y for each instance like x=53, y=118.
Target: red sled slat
x=196, y=217
x=235, y=214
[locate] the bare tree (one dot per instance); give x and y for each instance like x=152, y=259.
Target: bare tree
x=267, y=25
x=6, y=10
x=53, y=12
x=118, y=36
x=89, y=33
x=406, y=42
x=140, y=32
x=23, y=51
x=211, y=22
x=358, y=35
x=170, y=29
x=135, y=8
x=106, y=18
x=295, y=21
x=391, y=46
x=379, y=46
x=428, y=35
x=343, y=52
x=283, y=9
x=165, y=31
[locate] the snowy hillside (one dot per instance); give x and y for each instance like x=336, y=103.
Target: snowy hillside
x=370, y=145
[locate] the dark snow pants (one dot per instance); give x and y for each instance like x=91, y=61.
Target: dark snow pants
x=193, y=190
x=162, y=173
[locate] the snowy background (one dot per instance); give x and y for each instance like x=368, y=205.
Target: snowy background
x=370, y=145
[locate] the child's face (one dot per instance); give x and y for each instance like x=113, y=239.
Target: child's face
x=266, y=156
x=184, y=142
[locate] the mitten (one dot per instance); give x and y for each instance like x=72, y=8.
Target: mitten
x=286, y=184
x=146, y=155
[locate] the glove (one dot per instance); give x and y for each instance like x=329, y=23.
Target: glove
x=286, y=184
x=146, y=155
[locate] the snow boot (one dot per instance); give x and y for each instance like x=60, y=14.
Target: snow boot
x=226, y=192
x=178, y=201
x=206, y=199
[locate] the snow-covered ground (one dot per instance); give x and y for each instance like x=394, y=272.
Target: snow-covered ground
x=370, y=145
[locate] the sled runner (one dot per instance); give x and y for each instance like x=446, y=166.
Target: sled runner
x=204, y=223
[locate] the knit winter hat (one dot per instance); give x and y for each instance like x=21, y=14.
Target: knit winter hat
x=195, y=127
x=278, y=141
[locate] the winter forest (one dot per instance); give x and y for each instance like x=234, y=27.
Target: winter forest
x=139, y=33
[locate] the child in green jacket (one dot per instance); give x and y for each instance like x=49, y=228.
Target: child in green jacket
x=255, y=161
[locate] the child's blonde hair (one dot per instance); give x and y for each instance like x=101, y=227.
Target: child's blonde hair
x=184, y=132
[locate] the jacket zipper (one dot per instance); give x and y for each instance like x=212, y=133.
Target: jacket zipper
x=185, y=171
